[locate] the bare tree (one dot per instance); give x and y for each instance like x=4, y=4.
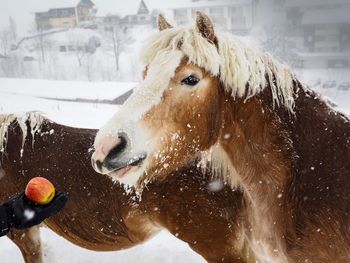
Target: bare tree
x=80, y=53
x=13, y=29
x=273, y=39
x=8, y=37
x=119, y=38
x=41, y=45
x=5, y=41
x=83, y=48
x=41, y=42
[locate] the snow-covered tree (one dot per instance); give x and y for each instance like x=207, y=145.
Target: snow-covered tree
x=13, y=29
x=5, y=41
x=119, y=39
x=274, y=40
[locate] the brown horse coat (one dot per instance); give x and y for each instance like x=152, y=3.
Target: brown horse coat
x=250, y=120
x=100, y=216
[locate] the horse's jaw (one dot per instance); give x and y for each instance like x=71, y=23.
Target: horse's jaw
x=129, y=175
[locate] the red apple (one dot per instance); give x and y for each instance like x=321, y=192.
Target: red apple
x=40, y=190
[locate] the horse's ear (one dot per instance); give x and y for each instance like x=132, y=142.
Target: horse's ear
x=162, y=23
x=205, y=27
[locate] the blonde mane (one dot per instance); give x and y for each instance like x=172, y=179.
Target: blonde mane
x=218, y=163
x=35, y=120
x=243, y=71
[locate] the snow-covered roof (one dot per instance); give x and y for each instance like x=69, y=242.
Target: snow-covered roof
x=206, y=3
x=85, y=2
x=291, y=3
x=73, y=35
x=65, y=37
x=334, y=55
x=326, y=16
x=122, y=9
x=104, y=7
x=52, y=4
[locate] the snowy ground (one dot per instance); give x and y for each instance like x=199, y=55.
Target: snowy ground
x=315, y=78
x=19, y=96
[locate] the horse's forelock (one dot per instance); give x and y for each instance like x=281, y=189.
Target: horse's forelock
x=192, y=44
x=243, y=71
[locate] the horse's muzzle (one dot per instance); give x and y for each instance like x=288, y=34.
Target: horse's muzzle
x=113, y=154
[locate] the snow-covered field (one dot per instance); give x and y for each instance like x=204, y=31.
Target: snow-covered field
x=19, y=96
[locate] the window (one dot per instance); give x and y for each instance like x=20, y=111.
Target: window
x=216, y=11
x=232, y=10
x=317, y=38
x=338, y=63
x=239, y=20
x=63, y=49
x=180, y=12
x=278, y=5
x=53, y=13
x=64, y=13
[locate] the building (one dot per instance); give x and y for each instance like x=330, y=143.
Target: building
x=56, y=18
x=86, y=11
x=66, y=17
x=320, y=30
x=235, y=16
x=136, y=13
x=141, y=17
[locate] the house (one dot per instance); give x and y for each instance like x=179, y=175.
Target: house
x=86, y=11
x=66, y=17
x=142, y=16
x=320, y=30
x=235, y=16
x=136, y=13
x=56, y=18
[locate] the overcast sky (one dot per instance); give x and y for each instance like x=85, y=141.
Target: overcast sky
x=22, y=11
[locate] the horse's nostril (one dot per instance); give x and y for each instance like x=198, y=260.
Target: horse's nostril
x=119, y=148
x=98, y=165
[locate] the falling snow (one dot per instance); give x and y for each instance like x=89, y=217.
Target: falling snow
x=29, y=214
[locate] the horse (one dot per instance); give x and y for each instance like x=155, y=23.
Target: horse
x=251, y=123
x=100, y=215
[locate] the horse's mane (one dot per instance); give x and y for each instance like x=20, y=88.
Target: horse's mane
x=34, y=118
x=243, y=71
x=217, y=162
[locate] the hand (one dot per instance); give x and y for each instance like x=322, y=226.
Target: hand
x=23, y=213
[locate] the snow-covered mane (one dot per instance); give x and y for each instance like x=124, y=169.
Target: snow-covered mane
x=34, y=118
x=243, y=71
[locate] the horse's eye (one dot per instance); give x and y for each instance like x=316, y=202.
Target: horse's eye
x=191, y=80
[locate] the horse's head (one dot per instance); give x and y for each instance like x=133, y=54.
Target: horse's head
x=167, y=119
x=175, y=113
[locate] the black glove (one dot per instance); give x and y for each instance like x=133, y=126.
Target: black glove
x=22, y=213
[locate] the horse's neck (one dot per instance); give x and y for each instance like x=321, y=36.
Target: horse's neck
x=258, y=147
x=259, y=150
